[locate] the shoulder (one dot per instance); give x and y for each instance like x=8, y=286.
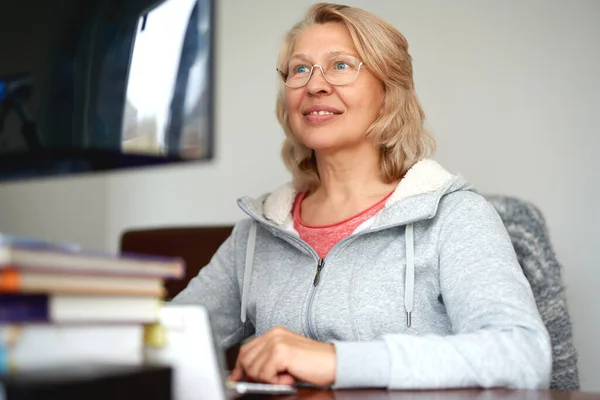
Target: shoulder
x=467, y=208
x=470, y=229
x=463, y=200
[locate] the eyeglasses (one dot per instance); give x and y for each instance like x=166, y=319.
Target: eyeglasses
x=339, y=71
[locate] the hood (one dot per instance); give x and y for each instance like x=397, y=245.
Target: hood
x=415, y=198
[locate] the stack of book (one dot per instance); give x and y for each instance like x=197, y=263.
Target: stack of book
x=62, y=306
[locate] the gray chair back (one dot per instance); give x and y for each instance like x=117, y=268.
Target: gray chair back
x=529, y=235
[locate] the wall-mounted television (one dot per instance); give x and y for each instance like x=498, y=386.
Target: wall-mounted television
x=105, y=84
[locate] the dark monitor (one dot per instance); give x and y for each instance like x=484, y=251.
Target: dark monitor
x=99, y=85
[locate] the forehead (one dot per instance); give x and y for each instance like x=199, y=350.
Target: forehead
x=326, y=38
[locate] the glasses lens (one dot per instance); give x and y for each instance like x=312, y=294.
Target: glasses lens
x=342, y=70
x=298, y=73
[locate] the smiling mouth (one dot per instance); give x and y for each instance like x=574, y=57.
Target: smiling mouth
x=322, y=113
x=320, y=117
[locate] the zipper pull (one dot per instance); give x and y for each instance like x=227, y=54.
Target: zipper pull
x=318, y=275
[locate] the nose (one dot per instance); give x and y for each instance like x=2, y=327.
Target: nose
x=317, y=82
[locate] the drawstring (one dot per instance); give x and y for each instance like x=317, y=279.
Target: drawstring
x=247, y=273
x=409, y=283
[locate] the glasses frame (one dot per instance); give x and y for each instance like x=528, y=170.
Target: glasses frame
x=284, y=76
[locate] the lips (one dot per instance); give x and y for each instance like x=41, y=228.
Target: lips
x=321, y=110
x=317, y=115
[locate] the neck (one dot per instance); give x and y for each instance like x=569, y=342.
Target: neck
x=350, y=174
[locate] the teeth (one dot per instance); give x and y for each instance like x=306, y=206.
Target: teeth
x=321, y=113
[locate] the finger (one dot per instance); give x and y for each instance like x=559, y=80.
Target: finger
x=270, y=362
x=285, y=379
x=254, y=364
x=237, y=371
x=237, y=374
x=257, y=357
x=248, y=355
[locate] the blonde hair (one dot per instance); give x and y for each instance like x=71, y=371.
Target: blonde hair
x=398, y=132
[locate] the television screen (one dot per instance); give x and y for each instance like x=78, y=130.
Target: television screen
x=104, y=84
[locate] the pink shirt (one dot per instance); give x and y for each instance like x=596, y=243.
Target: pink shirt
x=323, y=238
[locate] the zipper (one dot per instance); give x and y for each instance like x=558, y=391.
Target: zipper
x=318, y=274
x=310, y=250
x=320, y=261
x=309, y=325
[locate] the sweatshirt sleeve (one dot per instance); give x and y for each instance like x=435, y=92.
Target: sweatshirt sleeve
x=216, y=287
x=498, y=338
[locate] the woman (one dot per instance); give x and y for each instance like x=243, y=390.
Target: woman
x=375, y=267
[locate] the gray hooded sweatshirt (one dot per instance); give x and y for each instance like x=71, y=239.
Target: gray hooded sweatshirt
x=426, y=294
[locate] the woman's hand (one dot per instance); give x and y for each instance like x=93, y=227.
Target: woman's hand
x=282, y=357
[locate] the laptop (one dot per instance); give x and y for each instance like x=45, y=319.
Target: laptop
x=185, y=340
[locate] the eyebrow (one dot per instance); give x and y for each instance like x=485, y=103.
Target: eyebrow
x=331, y=54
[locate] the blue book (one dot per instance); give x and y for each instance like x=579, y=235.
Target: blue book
x=42, y=308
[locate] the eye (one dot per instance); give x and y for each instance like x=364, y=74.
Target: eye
x=301, y=69
x=341, y=65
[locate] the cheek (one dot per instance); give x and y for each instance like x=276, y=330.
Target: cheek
x=292, y=101
x=292, y=104
x=372, y=103
x=366, y=107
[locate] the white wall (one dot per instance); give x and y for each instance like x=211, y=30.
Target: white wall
x=61, y=210
x=511, y=90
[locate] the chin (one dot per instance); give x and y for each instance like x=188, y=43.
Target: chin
x=320, y=141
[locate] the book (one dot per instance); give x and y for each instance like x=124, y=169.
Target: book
x=90, y=381
x=30, y=281
x=62, y=309
x=27, y=253
x=37, y=346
